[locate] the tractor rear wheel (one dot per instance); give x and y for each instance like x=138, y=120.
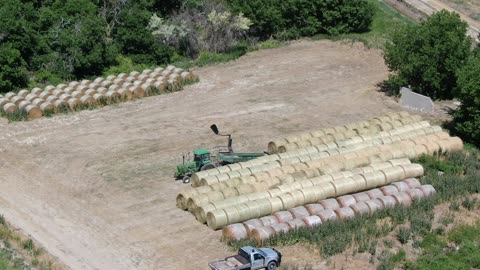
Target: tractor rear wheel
x=207, y=167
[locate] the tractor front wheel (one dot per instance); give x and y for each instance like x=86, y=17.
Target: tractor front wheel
x=186, y=179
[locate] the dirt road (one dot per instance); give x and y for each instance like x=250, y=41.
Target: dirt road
x=96, y=188
x=431, y=6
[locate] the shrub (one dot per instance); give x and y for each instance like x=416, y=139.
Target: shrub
x=345, y=16
x=13, y=71
x=467, y=117
x=403, y=234
x=428, y=56
x=210, y=27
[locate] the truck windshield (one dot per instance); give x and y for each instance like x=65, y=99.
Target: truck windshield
x=244, y=254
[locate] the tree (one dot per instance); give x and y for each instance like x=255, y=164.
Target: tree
x=13, y=73
x=428, y=56
x=467, y=117
x=345, y=16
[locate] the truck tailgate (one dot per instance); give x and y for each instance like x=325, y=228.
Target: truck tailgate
x=230, y=263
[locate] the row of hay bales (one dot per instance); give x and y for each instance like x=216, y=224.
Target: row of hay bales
x=307, y=166
x=101, y=91
x=393, y=125
x=344, y=207
x=319, y=189
x=201, y=211
x=339, y=165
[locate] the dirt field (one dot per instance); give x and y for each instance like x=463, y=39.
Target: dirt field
x=96, y=187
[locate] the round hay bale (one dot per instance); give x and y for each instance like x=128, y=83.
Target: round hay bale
x=90, y=92
x=388, y=201
x=288, y=200
x=87, y=100
x=412, y=183
x=296, y=224
x=345, y=213
x=412, y=170
x=17, y=100
x=276, y=204
x=59, y=103
x=374, y=193
x=313, y=208
x=312, y=221
x=401, y=186
x=77, y=94
x=309, y=195
x=268, y=220
x=73, y=103
x=252, y=224
x=261, y=234
x=280, y=228
x=361, y=197
x=10, y=95
x=23, y=105
x=283, y=216
x=33, y=112
x=344, y=186
x=394, y=173
x=389, y=190
x=9, y=108
x=233, y=215
x=23, y=93
x=98, y=97
x=299, y=212
x=38, y=101
x=432, y=148
x=403, y=198
x=46, y=107
x=36, y=91
x=235, y=232
x=3, y=101
x=30, y=97
x=346, y=200
x=428, y=190
x=361, y=208
x=52, y=99
x=229, y=192
x=102, y=90
x=112, y=95
x=415, y=194
x=298, y=196
x=125, y=94
x=65, y=97
x=217, y=219
x=330, y=204
x=456, y=144
x=327, y=215
x=374, y=205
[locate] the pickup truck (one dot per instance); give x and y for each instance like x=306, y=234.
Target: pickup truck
x=250, y=258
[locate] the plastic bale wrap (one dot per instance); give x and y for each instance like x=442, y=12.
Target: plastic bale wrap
x=428, y=190
x=401, y=186
x=235, y=232
x=280, y=228
x=299, y=212
x=388, y=201
x=261, y=234
x=330, y=204
x=313, y=208
x=345, y=213
x=374, y=193
x=389, y=190
x=412, y=183
x=346, y=200
x=415, y=194
x=252, y=224
x=312, y=221
x=403, y=198
x=268, y=220
x=283, y=216
x=374, y=205
x=296, y=224
x=361, y=197
x=360, y=208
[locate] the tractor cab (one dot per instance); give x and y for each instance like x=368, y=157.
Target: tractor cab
x=201, y=157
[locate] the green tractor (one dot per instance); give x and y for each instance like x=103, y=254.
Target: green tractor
x=203, y=160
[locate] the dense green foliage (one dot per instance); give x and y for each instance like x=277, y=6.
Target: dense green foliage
x=295, y=18
x=428, y=56
x=467, y=117
x=57, y=40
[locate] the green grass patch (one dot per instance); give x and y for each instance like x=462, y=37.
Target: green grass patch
x=386, y=21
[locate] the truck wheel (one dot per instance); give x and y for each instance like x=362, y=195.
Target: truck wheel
x=186, y=179
x=271, y=266
x=207, y=167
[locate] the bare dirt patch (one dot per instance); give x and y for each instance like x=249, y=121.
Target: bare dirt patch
x=96, y=187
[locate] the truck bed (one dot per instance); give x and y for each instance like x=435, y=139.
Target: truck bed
x=230, y=263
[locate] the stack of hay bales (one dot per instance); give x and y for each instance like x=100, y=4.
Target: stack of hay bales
x=351, y=163
x=101, y=91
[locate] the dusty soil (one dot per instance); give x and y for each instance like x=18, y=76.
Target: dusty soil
x=96, y=187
